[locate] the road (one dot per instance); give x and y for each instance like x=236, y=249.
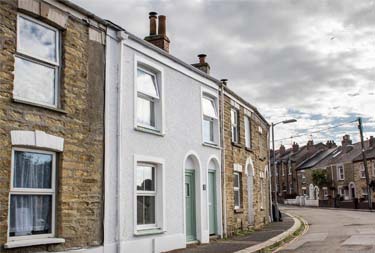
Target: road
x=334, y=231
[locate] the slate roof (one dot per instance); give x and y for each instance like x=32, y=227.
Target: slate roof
x=316, y=158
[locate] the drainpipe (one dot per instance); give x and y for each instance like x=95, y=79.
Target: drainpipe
x=223, y=157
x=121, y=36
x=270, y=176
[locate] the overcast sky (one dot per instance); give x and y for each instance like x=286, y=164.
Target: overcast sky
x=309, y=60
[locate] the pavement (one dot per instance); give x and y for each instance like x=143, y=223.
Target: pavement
x=238, y=243
x=332, y=231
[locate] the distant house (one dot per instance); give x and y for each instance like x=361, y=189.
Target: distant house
x=359, y=171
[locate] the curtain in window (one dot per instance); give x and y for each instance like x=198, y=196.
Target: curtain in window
x=30, y=214
x=32, y=170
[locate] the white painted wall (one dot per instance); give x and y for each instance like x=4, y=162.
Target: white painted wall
x=183, y=137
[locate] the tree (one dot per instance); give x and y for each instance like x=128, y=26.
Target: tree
x=319, y=178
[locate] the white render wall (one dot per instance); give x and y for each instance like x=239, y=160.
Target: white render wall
x=183, y=137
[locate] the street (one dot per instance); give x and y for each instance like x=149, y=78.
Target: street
x=334, y=231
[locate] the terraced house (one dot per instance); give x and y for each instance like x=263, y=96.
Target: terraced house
x=163, y=147
x=109, y=143
x=246, y=185
x=51, y=127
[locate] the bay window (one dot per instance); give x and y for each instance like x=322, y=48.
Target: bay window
x=209, y=119
x=37, y=62
x=32, y=194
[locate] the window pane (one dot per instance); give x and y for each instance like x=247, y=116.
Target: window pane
x=32, y=170
x=145, y=210
x=234, y=134
x=145, y=178
x=237, y=198
x=146, y=84
x=247, y=132
x=209, y=108
x=236, y=180
x=208, y=130
x=146, y=112
x=34, y=82
x=233, y=117
x=30, y=215
x=37, y=40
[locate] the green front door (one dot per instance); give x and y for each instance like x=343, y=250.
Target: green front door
x=190, y=206
x=212, y=202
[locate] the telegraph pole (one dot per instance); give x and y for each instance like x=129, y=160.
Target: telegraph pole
x=369, y=193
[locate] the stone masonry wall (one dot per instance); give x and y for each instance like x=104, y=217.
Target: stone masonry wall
x=79, y=201
x=239, y=219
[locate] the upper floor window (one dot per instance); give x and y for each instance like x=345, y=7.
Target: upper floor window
x=289, y=167
x=247, y=132
x=209, y=119
x=340, y=172
x=37, y=62
x=148, y=98
x=32, y=194
x=234, y=125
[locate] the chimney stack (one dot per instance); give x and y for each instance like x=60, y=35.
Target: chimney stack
x=346, y=140
x=282, y=149
x=295, y=147
x=310, y=144
x=331, y=144
x=158, y=38
x=202, y=65
x=372, y=142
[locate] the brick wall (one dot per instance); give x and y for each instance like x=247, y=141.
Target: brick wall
x=79, y=201
x=238, y=154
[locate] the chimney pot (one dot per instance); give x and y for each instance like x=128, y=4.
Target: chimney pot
x=162, y=25
x=152, y=17
x=224, y=81
x=202, y=58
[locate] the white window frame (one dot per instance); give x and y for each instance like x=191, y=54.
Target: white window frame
x=237, y=189
x=157, y=71
x=234, y=125
x=340, y=191
x=46, y=63
x=340, y=176
x=150, y=194
x=32, y=191
x=325, y=192
x=362, y=171
x=213, y=97
x=247, y=131
x=160, y=202
x=289, y=167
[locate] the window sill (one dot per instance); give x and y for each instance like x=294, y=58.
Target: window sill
x=148, y=130
x=19, y=101
x=236, y=145
x=32, y=242
x=211, y=145
x=249, y=149
x=151, y=231
x=239, y=210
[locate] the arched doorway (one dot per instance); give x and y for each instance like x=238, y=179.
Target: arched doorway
x=192, y=169
x=250, y=189
x=352, y=190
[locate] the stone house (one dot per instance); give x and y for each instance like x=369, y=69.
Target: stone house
x=340, y=172
x=289, y=181
x=163, y=155
x=359, y=171
x=52, y=127
x=246, y=185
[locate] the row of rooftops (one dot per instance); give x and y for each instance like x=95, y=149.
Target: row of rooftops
x=147, y=42
x=321, y=155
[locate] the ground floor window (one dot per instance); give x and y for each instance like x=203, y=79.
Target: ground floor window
x=237, y=190
x=146, y=195
x=32, y=194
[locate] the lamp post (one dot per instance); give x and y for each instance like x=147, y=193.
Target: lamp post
x=274, y=162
